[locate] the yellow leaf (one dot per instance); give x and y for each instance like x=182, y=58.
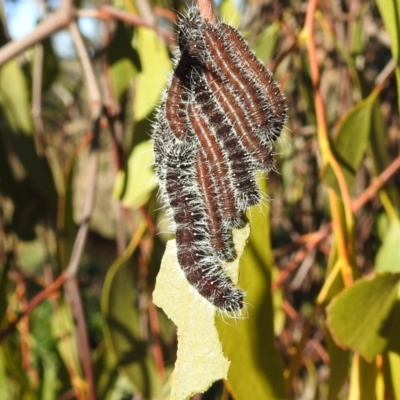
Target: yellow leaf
x=155, y=68
x=135, y=185
x=200, y=360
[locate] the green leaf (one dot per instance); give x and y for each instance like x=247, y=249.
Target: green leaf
x=14, y=97
x=51, y=67
x=123, y=335
x=351, y=141
x=358, y=317
x=26, y=204
x=17, y=131
x=123, y=59
x=134, y=186
x=121, y=74
x=249, y=343
x=338, y=366
x=105, y=370
x=37, y=168
x=366, y=381
x=155, y=68
x=390, y=12
x=388, y=256
x=48, y=390
x=121, y=48
x=277, y=301
x=378, y=145
x=13, y=364
x=63, y=329
x=358, y=41
x=391, y=371
x=4, y=378
x=229, y=13
x=266, y=42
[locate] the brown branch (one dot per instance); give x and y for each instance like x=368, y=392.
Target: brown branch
x=39, y=298
x=110, y=12
x=206, y=11
x=165, y=13
x=377, y=184
x=126, y=16
x=59, y=20
x=90, y=77
x=112, y=110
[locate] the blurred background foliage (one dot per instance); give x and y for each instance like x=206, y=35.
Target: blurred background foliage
x=82, y=233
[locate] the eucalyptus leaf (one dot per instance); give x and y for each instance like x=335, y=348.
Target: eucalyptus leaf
x=391, y=369
x=152, y=79
x=388, y=256
x=135, y=185
x=249, y=343
x=339, y=364
x=266, y=42
x=351, y=141
x=123, y=335
x=390, y=12
x=14, y=97
x=359, y=317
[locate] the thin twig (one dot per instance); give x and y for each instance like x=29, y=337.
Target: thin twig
x=90, y=77
x=95, y=107
x=71, y=286
x=36, y=109
x=112, y=110
x=146, y=12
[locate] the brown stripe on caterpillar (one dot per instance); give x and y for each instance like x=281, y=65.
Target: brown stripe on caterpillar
x=260, y=154
x=244, y=57
x=243, y=89
x=195, y=255
x=177, y=97
x=218, y=166
x=242, y=172
x=219, y=235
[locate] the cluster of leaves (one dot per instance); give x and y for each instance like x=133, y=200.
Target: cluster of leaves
x=322, y=264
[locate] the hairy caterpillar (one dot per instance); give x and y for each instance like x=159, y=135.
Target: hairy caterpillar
x=241, y=170
x=216, y=126
x=274, y=103
x=260, y=155
x=220, y=236
x=195, y=256
x=218, y=168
